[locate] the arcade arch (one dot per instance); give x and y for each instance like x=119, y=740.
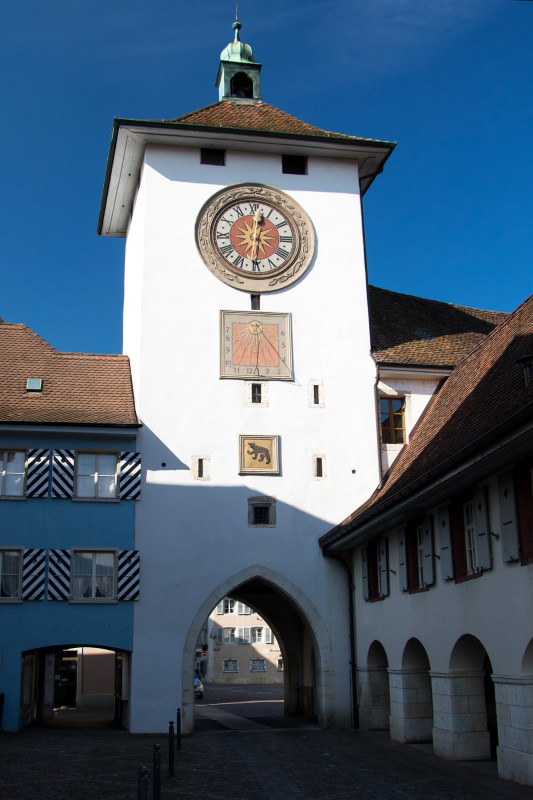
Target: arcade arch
x=309, y=675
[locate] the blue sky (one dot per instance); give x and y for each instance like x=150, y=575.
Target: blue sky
x=449, y=80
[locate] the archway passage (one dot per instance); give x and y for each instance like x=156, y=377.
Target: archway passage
x=74, y=686
x=308, y=676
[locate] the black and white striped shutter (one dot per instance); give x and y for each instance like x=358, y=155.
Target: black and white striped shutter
x=428, y=567
x=59, y=574
x=445, y=543
x=33, y=569
x=37, y=471
x=130, y=476
x=63, y=473
x=128, y=575
x=481, y=522
x=402, y=557
x=508, y=521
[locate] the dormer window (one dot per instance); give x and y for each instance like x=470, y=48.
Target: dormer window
x=242, y=86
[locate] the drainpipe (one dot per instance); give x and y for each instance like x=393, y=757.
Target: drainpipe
x=353, y=664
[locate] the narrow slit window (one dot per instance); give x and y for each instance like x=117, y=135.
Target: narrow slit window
x=316, y=394
x=200, y=469
x=318, y=467
x=256, y=392
x=256, y=302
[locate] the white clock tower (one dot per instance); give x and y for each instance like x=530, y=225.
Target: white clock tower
x=246, y=322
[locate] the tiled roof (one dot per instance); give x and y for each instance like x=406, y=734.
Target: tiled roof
x=407, y=330
x=77, y=388
x=483, y=396
x=257, y=117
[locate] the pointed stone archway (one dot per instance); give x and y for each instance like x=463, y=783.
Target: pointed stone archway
x=306, y=645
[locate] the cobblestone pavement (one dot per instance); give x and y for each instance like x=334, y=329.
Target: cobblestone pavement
x=222, y=763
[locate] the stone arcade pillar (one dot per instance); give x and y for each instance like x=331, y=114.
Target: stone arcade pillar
x=374, y=698
x=411, y=711
x=460, y=716
x=514, y=708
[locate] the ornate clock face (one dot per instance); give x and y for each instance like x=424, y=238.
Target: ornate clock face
x=255, y=344
x=255, y=238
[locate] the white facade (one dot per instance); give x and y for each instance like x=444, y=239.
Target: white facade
x=195, y=537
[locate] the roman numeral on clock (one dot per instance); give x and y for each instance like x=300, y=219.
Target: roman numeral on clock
x=226, y=250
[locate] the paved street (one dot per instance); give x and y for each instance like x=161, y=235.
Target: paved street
x=227, y=759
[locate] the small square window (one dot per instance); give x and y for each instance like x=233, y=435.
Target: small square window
x=230, y=665
x=261, y=512
x=256, y=394
x=212, y=156
x=34, y=385
x=258, y=665
x=294, y=165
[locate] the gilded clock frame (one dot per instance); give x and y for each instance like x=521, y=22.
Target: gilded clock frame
x=228, y=369
x=292, y=269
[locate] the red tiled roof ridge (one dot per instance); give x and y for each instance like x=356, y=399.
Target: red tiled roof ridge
x=442, y=302
x=250, y=109
x=54, y=350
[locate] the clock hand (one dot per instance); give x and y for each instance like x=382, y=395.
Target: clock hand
x=258, y=219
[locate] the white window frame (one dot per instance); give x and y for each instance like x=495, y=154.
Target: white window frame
x=17, y=597
x=77, y=598
x=256, y=635
x=230, y=635
x=4, y=473
x=206, y=468
x=96, y=475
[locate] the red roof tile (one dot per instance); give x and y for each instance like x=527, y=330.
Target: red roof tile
x=407, y=330
x=261, y=116
x=77, y=389
x=482, y=397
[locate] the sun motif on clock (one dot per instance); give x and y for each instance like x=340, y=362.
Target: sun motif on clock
x=255, y=344
x=255, y=238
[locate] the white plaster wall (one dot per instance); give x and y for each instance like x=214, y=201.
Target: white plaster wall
x=194, y=535
x=492, y=608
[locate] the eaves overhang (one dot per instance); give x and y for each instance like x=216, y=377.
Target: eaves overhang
x=411, y=372
x=73, y=428
x=497, y=450
x=131, y=137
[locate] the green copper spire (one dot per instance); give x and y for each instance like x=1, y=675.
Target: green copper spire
x=238, y=74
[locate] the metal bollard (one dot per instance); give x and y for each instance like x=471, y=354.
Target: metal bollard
x=178, y=729
x=143, y=784
x=171, y=749
x=156, y=780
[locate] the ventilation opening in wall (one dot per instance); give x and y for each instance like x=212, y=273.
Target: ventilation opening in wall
x=294, y=165
x=212, y=156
